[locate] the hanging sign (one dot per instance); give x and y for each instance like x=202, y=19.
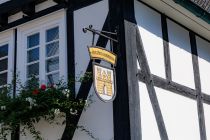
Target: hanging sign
x=103, y=77
x=101, y=53
x=104, y=82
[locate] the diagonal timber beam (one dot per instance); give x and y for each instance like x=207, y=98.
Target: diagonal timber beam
x=150, y=87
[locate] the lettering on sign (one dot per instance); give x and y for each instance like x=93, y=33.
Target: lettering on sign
x=100, y=53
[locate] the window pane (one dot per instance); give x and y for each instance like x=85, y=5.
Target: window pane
x=33, y=55
x=52, y=49
x=52, y=64
x=33, y=69
x=3, y=51
x=3, y=79
x=52, y=34
x=33, y=40
x=3, y=64
x=52, y=78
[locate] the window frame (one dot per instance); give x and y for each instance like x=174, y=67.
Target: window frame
x=7, y=38
x=41, y=25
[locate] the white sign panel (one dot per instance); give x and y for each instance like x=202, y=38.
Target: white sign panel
x=104, y=82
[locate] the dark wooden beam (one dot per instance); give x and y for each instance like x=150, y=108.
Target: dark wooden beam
x=78, y=4
x=142, y=59
x=120, y=11
x=70, y=48
x=201, y=117
x=29, y=9
x=68, y=134
x=167, y=58
x=3, y=20
x=128, y=41
x=61, y=1
x=15, y=135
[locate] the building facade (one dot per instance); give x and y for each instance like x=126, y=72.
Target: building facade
x=162, y=71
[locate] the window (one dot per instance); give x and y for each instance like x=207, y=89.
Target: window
x=6, y=58
x=52, y=55
x=33, y=55
x=3, y=64
x=42, y=50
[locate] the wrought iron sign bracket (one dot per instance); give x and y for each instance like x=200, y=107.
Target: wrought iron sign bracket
x=101, y=33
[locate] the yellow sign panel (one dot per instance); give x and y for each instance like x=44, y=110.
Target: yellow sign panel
x=104, y=82
x=100, y=53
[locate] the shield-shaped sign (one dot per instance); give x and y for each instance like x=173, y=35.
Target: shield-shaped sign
x=104, y=82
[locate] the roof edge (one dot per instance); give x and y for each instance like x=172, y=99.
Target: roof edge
x=195, y=9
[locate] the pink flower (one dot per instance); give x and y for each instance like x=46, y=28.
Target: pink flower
x=35, y=92
x=43, y=87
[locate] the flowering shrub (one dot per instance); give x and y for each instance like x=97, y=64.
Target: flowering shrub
x=33, y=103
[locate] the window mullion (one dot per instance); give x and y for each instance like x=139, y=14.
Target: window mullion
x=62, y=49
x=42, y=56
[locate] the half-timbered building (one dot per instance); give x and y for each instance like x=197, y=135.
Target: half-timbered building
x=162, y=71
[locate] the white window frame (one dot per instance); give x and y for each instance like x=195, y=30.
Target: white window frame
x=7, y=38
x=41, y=25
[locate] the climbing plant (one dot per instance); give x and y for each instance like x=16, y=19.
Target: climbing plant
x=35, y=102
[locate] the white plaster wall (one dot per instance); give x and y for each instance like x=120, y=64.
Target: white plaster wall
x=180, y=52
x=15, y=17
x=48, y=131
x=180, y=115
x=98, y=118
x=44, y=5
x=148, y=121
x=207, y=119
x=149, y=23
x=203, y=48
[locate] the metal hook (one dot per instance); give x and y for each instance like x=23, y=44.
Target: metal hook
x=93, y=38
